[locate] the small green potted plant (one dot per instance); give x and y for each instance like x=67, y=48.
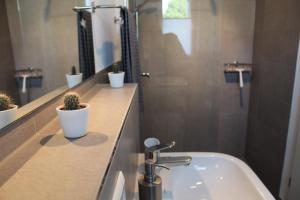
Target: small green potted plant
x=8, y=110
x=116, y=77
x=73, y=116
x=73, y=78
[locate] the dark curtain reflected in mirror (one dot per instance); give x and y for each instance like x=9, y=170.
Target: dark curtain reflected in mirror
x=85, y=44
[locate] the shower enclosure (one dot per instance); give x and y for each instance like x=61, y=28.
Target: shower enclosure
x=183, y=46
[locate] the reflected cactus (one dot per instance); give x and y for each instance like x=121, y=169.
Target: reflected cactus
x=117, y=67
x=73, y=70
x=71, y=101
x=5, y=102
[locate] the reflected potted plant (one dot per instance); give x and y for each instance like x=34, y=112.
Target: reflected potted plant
x=73, y=78
x=73, y=116
x=8, y=110
x=116, y=77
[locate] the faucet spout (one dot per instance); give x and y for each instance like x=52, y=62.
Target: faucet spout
x=175, y=161
x=154, y=154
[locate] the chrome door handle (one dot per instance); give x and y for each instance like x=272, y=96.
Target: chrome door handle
x=145, y=74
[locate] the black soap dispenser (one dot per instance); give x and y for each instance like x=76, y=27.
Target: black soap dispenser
x=150, y=187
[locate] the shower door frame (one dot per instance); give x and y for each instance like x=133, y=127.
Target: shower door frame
x=290, y=178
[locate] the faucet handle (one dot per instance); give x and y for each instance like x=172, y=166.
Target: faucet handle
x=161, y=147
x=153, y=151
x=162, y=166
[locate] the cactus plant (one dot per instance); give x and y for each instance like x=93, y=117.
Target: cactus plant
x=73, y=70
x=5, y=102
x=71, y=101
x=117, y=67
x=73, y=116
x=116, y=77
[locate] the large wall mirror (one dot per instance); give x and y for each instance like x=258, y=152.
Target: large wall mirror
x=39, y=47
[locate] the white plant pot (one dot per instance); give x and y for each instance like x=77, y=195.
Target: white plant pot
x=73, y=80
x=116, y=80
x=8, y=116
x=74, y=122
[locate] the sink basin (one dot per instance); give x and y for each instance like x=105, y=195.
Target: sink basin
x=212, y=176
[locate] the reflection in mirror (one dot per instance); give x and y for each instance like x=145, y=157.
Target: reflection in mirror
x=39, y=53
x=176, y=9
x=176, y=13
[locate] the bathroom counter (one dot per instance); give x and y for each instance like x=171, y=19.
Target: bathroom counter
x=49, y=166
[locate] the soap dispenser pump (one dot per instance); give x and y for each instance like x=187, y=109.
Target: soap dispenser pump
x=150, y=184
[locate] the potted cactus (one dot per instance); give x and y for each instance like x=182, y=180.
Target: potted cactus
x=73, y=116
x=116, y=77
x=73, y=78
x=8, y=110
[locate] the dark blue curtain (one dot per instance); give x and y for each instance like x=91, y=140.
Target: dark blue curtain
x=130, y=55
x=85, y=44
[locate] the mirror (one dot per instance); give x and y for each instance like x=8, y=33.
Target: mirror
x=40, y=46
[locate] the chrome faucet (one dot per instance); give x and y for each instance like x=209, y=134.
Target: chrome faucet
x=154, y=154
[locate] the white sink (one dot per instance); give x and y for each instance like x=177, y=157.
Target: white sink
x=212, y=176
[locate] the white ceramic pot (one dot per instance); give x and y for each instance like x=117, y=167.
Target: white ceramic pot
x=116, y=80
x=73, y=80
x=74, y=122
x=8, y=116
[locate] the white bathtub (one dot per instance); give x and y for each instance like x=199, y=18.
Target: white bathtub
x=212, y=176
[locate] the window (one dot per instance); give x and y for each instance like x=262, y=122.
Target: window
x=176, y=9
x=176, y=13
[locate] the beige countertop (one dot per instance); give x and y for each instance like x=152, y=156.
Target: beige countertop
x=50, y=166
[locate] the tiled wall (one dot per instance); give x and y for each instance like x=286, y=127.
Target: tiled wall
x=7, y=80
x=277, y=32
x=187, y=98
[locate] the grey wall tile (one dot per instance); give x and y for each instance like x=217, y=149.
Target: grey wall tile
x=275, y=48
x=232, y=138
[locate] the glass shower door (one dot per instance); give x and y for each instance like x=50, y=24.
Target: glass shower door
x=180, y=95
x=183, y=46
